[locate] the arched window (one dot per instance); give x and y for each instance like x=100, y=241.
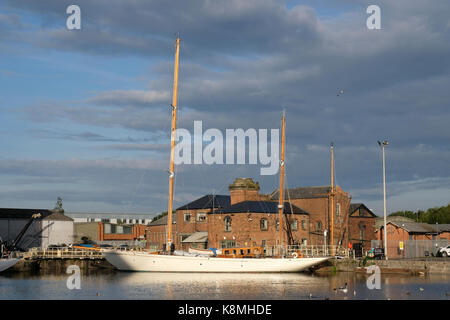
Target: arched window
x=263, y=224
x=294, y=225
x=227, y=221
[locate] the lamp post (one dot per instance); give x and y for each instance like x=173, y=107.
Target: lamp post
x=383, y=145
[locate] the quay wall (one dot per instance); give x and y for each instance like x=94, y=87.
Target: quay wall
x=59, y=265
x=419, y=266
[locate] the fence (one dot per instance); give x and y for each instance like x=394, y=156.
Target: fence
x=307, y=251
x=410, y=249
x=61, y=253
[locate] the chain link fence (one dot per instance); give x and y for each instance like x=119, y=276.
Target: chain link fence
x=411, y=249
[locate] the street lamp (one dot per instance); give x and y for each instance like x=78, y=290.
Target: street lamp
x=383, y=144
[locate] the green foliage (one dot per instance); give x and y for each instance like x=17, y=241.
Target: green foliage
x=59, y=206
x=161, y=215
x=439, y=215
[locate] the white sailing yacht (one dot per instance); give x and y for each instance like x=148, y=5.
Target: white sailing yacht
x=146, y=261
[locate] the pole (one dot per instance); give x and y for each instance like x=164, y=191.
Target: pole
x=172, y=149
x=280, y=202
x=332, y=200
x=384, y=204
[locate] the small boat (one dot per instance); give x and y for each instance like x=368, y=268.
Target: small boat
x=231, y=260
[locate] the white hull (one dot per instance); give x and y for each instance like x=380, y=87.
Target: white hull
x=143, y=261
x=7, y=263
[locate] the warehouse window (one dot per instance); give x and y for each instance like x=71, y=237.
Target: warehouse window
x=303, y=225
x=201, y=216
x=227, y=223
x=319, y=225
x=294, y=224
x=187, y=217
x=263, y=224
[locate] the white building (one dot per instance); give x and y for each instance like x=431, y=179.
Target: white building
x=49, y=229
x=114, y=218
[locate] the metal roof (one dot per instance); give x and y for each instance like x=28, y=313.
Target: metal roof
x=18, y=213
x=163, y=220
x=197, y=237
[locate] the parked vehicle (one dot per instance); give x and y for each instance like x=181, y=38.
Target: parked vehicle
x=443, y=252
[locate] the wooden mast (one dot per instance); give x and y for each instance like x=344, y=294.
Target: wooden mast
x=280, y=202
x=172, y=147
x=332, y=199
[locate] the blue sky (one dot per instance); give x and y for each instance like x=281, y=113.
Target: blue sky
x=85, y=112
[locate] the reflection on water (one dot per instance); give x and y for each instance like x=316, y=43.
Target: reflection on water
x=122, y=285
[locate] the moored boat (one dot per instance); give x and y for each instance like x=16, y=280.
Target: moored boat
x=130, y=260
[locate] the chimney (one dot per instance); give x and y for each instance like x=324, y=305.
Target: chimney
x=244, y=189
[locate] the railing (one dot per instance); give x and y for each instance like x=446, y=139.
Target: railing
x=307, y=251
x=61, y=253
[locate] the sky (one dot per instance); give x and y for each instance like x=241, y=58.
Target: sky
x=85, y=114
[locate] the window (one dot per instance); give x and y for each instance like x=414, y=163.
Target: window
x=263, y=224
x=227, y=221
x=263, y=243
x=278, y=224
x=303, y=225
x=319, y=226
x=338, y=209
x=361, y=212
x=361, y=231
x=294, y=224
x=227, y=244
x=187, y=217
x=201, y=216
x=304, y=241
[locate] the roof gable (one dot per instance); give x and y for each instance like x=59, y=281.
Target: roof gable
x=353, y=210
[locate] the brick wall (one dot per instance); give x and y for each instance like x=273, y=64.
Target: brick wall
x=246, y=229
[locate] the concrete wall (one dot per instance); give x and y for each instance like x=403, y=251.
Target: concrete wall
x=86, y=229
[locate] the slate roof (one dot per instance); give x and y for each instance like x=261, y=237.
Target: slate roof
x=443, y=227
x=18, y=213
x=163, y=221
x=303, y=193
x=416, y=227
x=260, y=207
x=206, y=202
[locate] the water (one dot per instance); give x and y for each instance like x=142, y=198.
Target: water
x=191, y=286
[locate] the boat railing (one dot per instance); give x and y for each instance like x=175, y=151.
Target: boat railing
x=306, y=251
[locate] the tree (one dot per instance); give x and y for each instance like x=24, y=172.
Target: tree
x=440, y=215
x=59, y=206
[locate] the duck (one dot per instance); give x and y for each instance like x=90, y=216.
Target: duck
x=344, y=289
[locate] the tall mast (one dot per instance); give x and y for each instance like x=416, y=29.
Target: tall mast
x=172, y=147
x=332, y=199
x=281, y=203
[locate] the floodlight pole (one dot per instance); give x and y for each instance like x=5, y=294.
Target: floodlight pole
x=382, y=145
